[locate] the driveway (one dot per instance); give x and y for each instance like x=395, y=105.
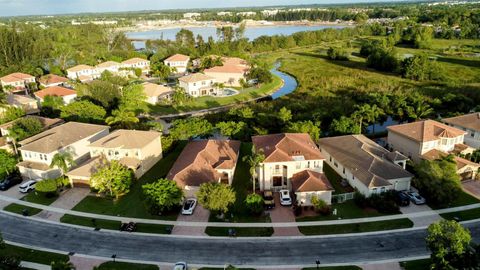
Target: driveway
x=472, y=187
x=66, y=200
x=200, y=214
x=283, y=214
x=423, y=220
x=13, y=193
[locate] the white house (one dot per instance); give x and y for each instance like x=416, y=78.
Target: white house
x=137, y=63
x=179, y=62
x=470, y=123
x=291, y=160
x=367, y=166
x=198, y=84
x=110, y=66
x=156, y=92
x=137, y=150
x=18, y=81
x=68, y=95
x=204, y=161
x=231, y=72
x=50, y=80
x=83, y=73
x=38, y=151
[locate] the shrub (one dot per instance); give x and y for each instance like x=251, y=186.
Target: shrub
x=47, y=186
x=384, y=203
x=335, y=53
x=216, y=197
x=321, y=206
x=360, y=200
x=254, y=203
x=162, y=195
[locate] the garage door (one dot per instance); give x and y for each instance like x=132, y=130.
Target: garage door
x=402, y=185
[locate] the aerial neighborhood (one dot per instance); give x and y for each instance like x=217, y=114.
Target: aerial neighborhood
x=124, y=130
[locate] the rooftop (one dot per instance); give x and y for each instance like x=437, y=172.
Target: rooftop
x=369, y=162
x=155, y=90
x=17, y=76
x=127, y=139
x=437, y=154
x=55, y=91
x=19, y=99
x=195, y=77
x=287, y=147
x=108, y=64
x=78, y=68
x=199, y=161
x=309, y=181
x=52, y=79
x=60, y=136
x=470, y=121
x=426, y=130
x=178, y=58
x=134, y=60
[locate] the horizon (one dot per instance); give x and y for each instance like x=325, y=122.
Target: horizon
x=16, y=8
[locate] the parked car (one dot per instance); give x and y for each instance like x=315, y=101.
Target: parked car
x=268, y=199
x=402, y=199
x=188, y=206
x=10, y=181
x=285, y=198
x=416, y=198
x=27, y=186
x=180, y=266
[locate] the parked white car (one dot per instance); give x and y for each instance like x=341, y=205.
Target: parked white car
x=416, y=198
x=188, y=206
x=180, y=266
x=27, y=186
x=285, y=198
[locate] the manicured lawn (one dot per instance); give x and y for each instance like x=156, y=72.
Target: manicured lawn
x=463, y=199
x=416, y=265
x=335, y=179
x=33, y=197
x=242, y=185
x=31, y=255
x=347, y=267
x=358, y=227
x=463, y=215
x=346, y=210
x=132, y=204
x=210, y=268
x=126, y=266
x=240, y=232
x=212, y=102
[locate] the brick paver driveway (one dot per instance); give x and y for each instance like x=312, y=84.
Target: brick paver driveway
x=472, y=187
x=200, y=214
x=283, y=214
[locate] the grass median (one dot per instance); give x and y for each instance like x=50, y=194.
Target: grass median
x=357, y=227
x=32, y=197
x=126, y=266
x=32, y=255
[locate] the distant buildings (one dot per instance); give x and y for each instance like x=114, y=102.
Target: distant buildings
x=67, y=95
x=178, y=62
x=198, y=84
x=16, y=81
x=52, y=80
x=85, y=73
x=191, y=15
x=231, y=72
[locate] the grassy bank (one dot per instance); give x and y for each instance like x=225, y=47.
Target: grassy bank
x=32, y=255
x=346, y=210
x=357, y=228
x=416, y=265
x=462, y=215
x=240, y=232
x=463, y=199
x=347, y=267
x=33, y=197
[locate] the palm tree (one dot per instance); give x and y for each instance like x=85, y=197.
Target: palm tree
x=254, y=161
x=62, y=160
x=367, y=114
x=122, y=118
x=419, y=110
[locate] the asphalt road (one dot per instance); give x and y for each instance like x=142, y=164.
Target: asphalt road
x=266, y=251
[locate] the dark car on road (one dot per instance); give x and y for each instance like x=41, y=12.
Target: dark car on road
x=402, y=199
x=268, y=199
x=10, y=181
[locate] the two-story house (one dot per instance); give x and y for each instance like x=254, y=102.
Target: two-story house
x=83, y=73
x=139, y=63
x=135, y=149
x=429, y=140
x=470, y=123
x=38, y=151
x=16, y=81
x=50, y=80
x=291, y=160
x=198, y=85
x=111, y=66
x=367, y=166
x=231, y=72
x=205, y=161
x=67, y=95
x=178, y=62
x=156, y=92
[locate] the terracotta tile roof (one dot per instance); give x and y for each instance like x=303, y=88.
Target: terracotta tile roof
x=52, y=79
x=108, y=64
x=134, y=60
x=46, y=122
x=55, y=91
x=127, y=139
x=368, y=161
x=78, y=68
x=308, y=181
x=470, y=121
x=178, y=58
x=234, y=61
x=60, y=136
x=287, y=147
x=199, y=161
x=195, y=77
x=14, y=99
x=426, y=130
x=155, y=90
x=15, y=77
x=461, y=162
x=226, y=69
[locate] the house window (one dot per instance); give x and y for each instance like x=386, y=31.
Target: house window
x=374, y=190
x=277, y=181
x=298, y=165
x=335, y=164
x=343, y=170
x=308, y=164
x=383, y=189
x=316, y=164
x=330, y=158
x=277, y=169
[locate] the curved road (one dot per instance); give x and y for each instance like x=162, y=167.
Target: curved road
x=217, y=251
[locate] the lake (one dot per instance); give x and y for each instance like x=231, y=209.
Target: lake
x=211, y=31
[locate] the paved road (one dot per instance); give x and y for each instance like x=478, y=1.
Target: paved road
x=267, y=251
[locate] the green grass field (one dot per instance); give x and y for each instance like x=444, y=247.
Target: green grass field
x=463, y=199
x=416, y=265
x=346, y=210
x=33, y=197
x=240, y=232
x=358, y=227
x=31, y=255
x=348, y=267
x=126, y=266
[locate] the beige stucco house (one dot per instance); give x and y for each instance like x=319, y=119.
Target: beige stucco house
x=37, y=151
x=470, y=123
x=156, y=92
x=50, y=80
x=26, y=103
x=135, y=149
x=83, y=73
x=231, y=72
x=67, y=95
x=178, y=62
x=139, y=63
x=368, y=167
x=205, y=161
x=17, y=81
x=292, y=161
x=198, y=85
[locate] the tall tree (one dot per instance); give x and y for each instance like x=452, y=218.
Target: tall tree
x=8, y=162
x=122, y=118
x=162, y=195
x=112, y=178
x=254, y=160
x=63, y=161
x=216, y=197
x=133, y=99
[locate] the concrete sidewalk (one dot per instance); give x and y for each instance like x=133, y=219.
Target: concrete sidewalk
x=382, y=266
x=66, y=200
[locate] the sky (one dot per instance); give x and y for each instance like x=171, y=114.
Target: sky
x=49, y=7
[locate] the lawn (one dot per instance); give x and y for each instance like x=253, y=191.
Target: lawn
x=31, y=255
x=357, y=228
x=210, y=268
x=335, y=179
x=416, y=265
x=346, y=210
x=240, y=232
x=33, y=197
x=132, y=204
x=212, y=102
x=126, y=266
x=347, y=267
x=463, y=199
x=462, y=215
